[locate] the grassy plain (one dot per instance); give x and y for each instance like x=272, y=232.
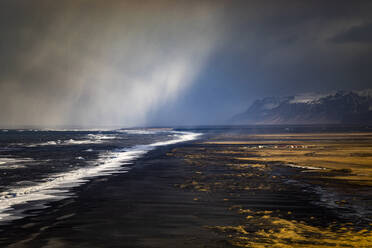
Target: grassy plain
x=246, y=171
x=349, y=154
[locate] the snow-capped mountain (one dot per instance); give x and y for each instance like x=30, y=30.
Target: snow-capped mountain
x=334, y=108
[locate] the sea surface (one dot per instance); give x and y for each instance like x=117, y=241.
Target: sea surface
x=41, y=166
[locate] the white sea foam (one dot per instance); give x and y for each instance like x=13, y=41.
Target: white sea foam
x=144, y=130
x=100, y=137
x=48, y=143
x=58, y=186
x=81, y=142
x=13, y=163
x=88, y=139
x=137, y=131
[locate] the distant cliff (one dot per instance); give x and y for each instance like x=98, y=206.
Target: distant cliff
x=354, y=107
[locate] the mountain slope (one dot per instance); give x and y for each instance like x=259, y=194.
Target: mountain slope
x=339, y=108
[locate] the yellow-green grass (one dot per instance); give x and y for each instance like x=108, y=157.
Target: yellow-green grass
x=349, y=152
x=279, y=232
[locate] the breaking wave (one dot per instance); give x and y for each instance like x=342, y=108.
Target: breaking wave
x=59, y=186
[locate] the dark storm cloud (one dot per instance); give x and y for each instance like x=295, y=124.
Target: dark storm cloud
x=173, y=62
x=280, y=48
x=99, y=63
x=360, y=33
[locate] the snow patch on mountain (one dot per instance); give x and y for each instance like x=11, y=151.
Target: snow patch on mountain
x=346, y=107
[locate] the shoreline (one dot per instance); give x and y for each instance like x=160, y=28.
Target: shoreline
x=186, y=195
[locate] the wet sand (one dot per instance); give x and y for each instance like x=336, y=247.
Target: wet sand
x=200, y=195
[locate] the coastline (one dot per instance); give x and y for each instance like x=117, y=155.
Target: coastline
x=192, y=194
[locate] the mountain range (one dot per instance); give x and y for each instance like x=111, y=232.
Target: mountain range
x=341, y=107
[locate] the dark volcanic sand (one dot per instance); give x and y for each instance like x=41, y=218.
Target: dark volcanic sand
x=149, y=207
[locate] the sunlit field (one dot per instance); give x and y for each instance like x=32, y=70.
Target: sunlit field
x=242, y=168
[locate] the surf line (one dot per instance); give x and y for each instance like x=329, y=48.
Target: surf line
x=58, y=187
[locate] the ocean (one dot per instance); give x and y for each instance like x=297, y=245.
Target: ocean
x=40, y=166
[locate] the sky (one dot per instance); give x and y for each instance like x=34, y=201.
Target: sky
x=93, y=63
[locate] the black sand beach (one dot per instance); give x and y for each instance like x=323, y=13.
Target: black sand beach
x=185, y=195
